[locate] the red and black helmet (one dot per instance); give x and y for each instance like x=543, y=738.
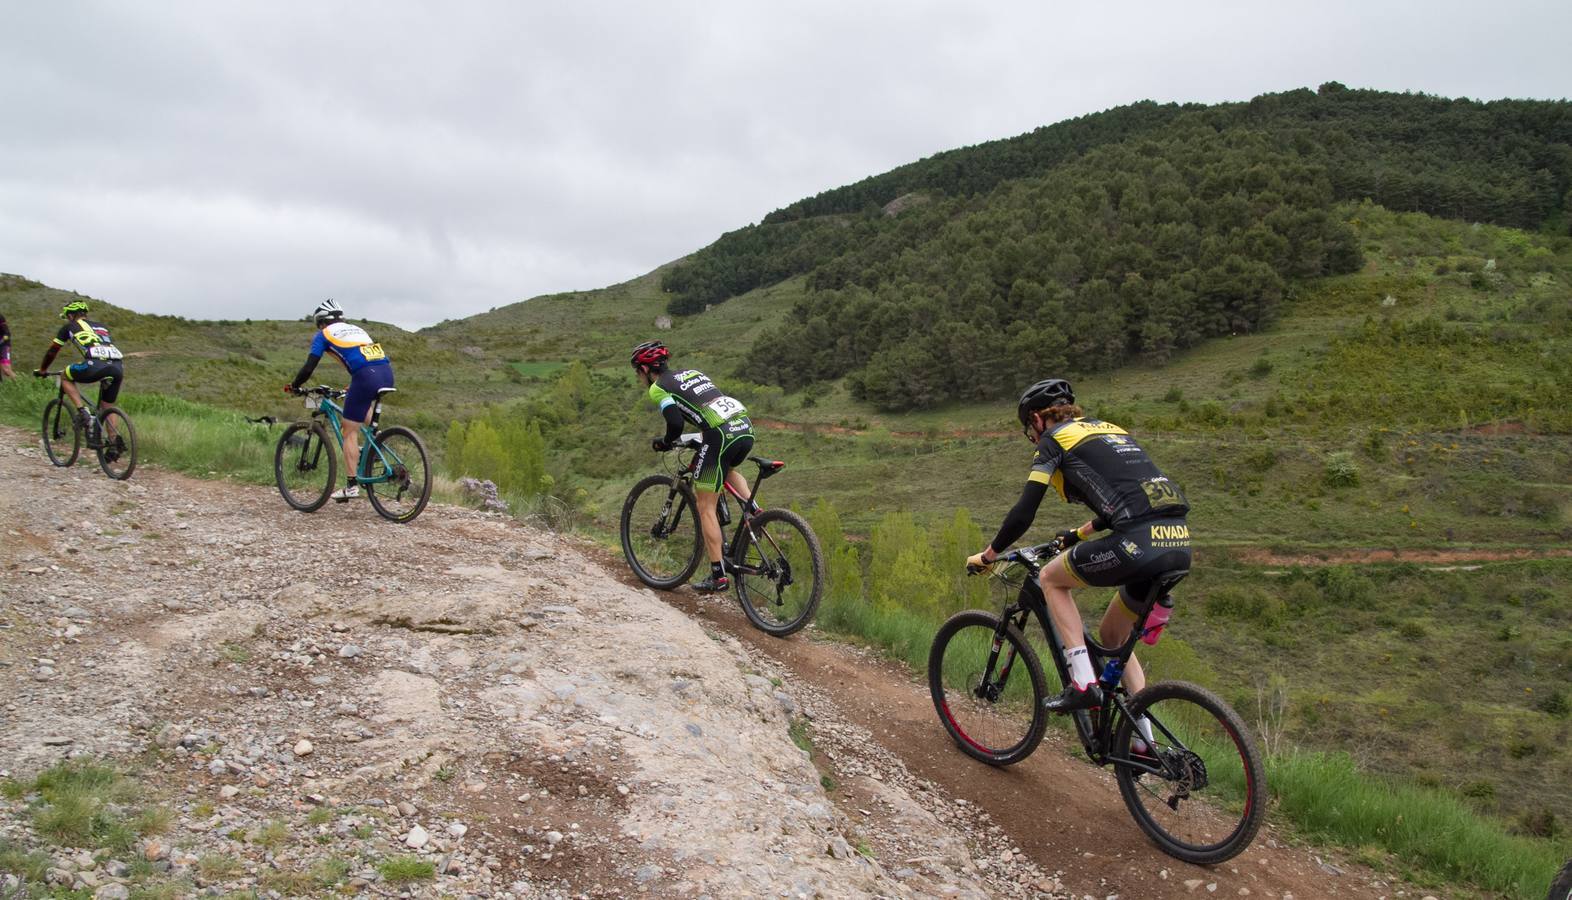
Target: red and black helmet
x=650, y=353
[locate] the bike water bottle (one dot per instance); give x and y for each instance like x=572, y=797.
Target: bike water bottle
x=1157, y=619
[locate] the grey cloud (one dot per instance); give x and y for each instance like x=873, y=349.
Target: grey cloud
x=426, y=161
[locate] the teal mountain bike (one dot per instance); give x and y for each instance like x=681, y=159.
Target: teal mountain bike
x=394, y=471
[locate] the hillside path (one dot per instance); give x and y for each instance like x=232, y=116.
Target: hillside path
x=464, y=689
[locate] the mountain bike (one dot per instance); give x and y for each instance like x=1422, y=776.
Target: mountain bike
x=1561, y=888
x=774, y=558
x=1196, y=786
x=107, y=432
x=393, y=467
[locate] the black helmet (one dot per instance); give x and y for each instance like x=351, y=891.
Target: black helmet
x=1043, y=394
x=649, y=353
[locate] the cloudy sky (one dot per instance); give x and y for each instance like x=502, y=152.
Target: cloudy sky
x=420, y=161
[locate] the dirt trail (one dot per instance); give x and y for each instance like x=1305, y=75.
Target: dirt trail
x=482, y=696
x=1065, y=814
x=305, y=691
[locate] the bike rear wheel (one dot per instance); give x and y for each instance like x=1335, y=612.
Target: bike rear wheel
x=1561, y=888
x=779, y=572
x=62, y=439
x=1205, y=800
x=992, y=709
x=408, y=486
x=305, y=464
x=660, y=532
x=116, y=446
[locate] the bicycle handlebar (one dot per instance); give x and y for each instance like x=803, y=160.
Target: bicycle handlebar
x=1027, y=556
x=320, y=390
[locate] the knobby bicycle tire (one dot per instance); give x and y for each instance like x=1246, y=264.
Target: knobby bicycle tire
x=59, y=420
x=121, y=449
x=686, y=539
x=762, y=596
x=303, y=449
x=1238, y=747
x=411, y=469
x=956, y=646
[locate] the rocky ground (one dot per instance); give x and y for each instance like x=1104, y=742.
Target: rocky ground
x=329, y=703
x=462, y=706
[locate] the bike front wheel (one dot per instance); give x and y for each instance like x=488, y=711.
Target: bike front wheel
x=988, y=688
x=62, y=439
x=116, y=447
x=660, y=532
x=779, y=572
x=402, y=463
x=1197, y=787
x=305, y=465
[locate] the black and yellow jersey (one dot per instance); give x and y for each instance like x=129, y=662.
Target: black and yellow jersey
x=1100, y=464
x=90, y=339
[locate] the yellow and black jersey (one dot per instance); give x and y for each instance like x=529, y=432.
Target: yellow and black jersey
x=1100, y=464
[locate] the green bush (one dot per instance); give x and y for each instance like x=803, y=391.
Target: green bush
x=1340, y=471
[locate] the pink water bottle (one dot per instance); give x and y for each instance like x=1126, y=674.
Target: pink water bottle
x=1158, y=618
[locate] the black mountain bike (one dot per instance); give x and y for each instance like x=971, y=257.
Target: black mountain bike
x=108, y=434
x=774, y=558
x=1196, y=786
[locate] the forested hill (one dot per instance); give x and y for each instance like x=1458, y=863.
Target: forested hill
x=1130, y=233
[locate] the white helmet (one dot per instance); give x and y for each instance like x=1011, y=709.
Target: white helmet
x=327, y=310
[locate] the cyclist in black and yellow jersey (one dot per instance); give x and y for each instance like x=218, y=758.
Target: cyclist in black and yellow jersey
x=1100, y=465
x=689, y=397
x=101, y=359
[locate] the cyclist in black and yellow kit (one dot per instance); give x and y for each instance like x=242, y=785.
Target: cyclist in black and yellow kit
x=1100, y=465
x=101, y=359
x=689, y=397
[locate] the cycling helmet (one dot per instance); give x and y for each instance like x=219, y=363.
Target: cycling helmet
x=650, y=353
x=327, y=310
x=1043, y=394
x=75, y=306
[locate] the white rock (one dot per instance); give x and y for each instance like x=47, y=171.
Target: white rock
x=457, y=829
x=304, y=748
x=553, y=837
x=417, y=838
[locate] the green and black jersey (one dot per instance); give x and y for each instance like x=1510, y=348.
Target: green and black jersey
x=696, y=398
x=1100, y=465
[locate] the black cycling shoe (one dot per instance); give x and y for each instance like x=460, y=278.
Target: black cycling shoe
x=714, y=584
x=1074, y=699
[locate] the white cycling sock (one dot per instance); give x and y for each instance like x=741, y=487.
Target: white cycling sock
x=1144, y=726
x=1080, y=668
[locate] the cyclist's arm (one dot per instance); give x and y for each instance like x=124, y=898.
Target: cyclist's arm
x=674, y=422
x=306, y=370
x=1020, y=516
x=49, y=355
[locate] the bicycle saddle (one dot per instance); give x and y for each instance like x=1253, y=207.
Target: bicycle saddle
x=767, y=467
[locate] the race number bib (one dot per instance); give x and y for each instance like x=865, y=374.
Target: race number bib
x=373, y=352
x=725, y=407
x=104, y=351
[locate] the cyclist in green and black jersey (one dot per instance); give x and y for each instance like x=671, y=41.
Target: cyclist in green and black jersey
x=690, y=398
x=1100, y=465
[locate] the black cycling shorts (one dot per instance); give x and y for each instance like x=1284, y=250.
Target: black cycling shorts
x=108, y=372
x=1132, y=558
x=724, y=448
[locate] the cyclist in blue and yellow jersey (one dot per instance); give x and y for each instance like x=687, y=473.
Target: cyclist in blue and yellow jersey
x=689, y=397
x=370, y=376
x=101, y=359
x=1100, y=465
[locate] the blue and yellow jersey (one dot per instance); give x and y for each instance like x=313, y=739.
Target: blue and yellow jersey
x=351, y=344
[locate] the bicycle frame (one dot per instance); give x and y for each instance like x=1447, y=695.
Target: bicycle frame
x=1096, y=736
x=89, y=405
x=368, y=445
x=733, y=550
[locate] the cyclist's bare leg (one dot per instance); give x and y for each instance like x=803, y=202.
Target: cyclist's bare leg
x=738, y=484
x=5, y=370
x=1056, y=582
x=709, y=523
x=1113, y=631
x=71, y=391
x=352, y=446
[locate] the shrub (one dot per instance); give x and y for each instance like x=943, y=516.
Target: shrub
x=1340, y=471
